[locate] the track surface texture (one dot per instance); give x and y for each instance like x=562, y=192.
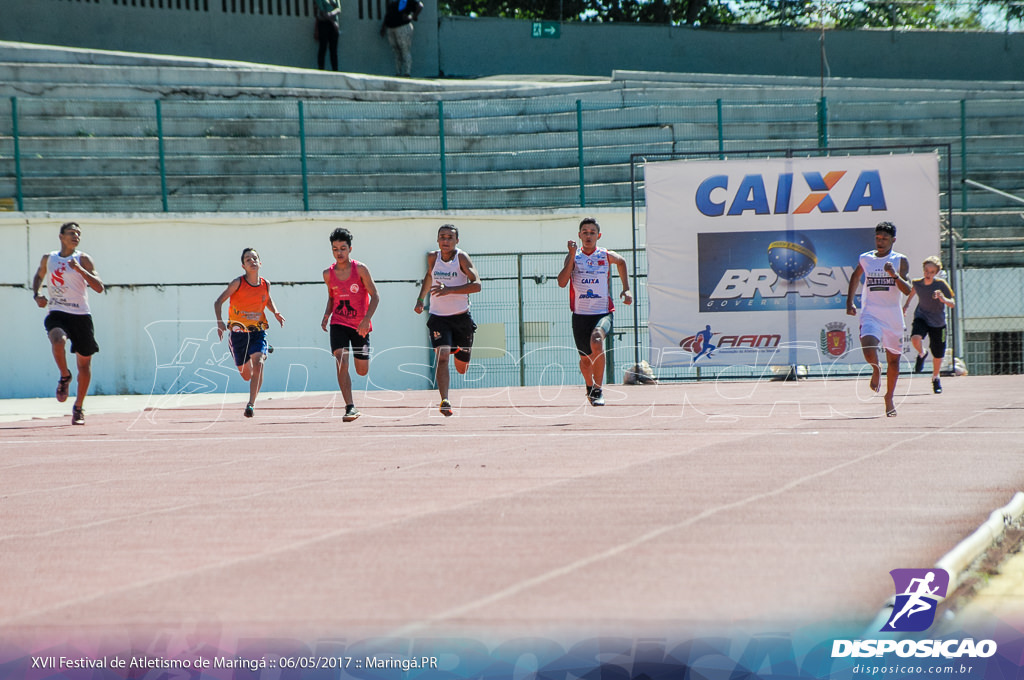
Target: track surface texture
x=675, y=507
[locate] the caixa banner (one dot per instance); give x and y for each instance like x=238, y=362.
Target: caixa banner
x=750, y=261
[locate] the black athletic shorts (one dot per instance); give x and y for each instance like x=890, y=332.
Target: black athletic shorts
x=344, y=336
x=583, y=326
x=454, y=331
x=936, y=336
x=78, y=328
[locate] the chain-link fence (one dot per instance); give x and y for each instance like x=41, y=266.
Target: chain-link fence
x=558, y=151
x=524, y=325
x=525, y=330
x=543, y=152
x=992, y=313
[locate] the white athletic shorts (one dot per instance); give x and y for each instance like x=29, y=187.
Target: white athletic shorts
x=890, y=338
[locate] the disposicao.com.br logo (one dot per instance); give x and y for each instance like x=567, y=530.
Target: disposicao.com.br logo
x=918, y=593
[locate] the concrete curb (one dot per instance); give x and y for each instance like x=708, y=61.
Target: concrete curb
x=957, y=561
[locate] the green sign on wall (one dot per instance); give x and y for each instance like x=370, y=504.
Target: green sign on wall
x=546, y=29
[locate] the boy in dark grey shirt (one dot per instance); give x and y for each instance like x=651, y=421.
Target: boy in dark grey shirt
x=933, y=297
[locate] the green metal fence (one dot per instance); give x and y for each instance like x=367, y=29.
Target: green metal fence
x=524, y=334
x=186, y=156
x=289, y=155
x=176, y=155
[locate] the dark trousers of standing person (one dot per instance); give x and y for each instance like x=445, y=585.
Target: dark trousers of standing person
x=328, y=37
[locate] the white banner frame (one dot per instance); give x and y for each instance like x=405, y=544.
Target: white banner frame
x=712, y=215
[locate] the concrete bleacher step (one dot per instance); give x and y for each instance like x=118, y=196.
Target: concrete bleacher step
x=321, y=163
x=421, y=136
x=231, y=134
x=178, y=184
x=628, y=76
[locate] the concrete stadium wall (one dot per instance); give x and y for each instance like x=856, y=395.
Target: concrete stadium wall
x=477, y=47
x=155, y=324
x=281, y=32
x=276, y=32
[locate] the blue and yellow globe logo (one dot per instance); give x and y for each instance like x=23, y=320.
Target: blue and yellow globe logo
x=792, y=256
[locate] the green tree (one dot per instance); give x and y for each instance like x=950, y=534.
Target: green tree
x=833, y=14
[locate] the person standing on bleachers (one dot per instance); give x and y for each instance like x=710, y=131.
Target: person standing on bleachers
x=327, y=31
x=397, y=25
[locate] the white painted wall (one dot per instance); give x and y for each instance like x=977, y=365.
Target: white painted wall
x=155, y=324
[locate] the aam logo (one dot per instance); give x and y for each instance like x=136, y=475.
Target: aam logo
x=713, y=194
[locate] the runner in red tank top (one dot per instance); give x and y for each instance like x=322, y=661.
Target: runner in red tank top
x=351, y=301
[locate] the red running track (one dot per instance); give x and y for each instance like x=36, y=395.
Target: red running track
x=673, y=508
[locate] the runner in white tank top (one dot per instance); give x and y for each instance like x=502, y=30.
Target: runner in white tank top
x=449, y=274
x=881, y=326
x=590, y=286
x=450, y=279
x=881, y=298
x=587, y=272
x=69, y=274
x=68, y=289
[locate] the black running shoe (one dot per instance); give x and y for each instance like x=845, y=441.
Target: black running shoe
x=936, y=386
x=597, y=396
x=249, y=411
x=919, y=363
x=62, y=387
x=350, y=414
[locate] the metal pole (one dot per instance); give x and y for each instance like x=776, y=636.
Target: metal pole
x=721, y=131
x=17, y=155
x=444, y=173
x=636, y=289
x=162, y=152
x=579, y=146
x=998, y=192
x=609, y=358
x=823, y=123
x=522, y=322
x=305, y=165
x=963, y=159
x=954, y=267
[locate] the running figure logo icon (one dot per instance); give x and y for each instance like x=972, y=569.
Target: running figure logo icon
x=918, y=592
x=700, y=344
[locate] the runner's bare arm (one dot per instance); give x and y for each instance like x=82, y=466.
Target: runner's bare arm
x=88, y=271
x=851, y=291
x=371, y=289
x=570, y=260
x=910, y=297
x=330, y=301
x=620, y=264
x=219, y=302
x=421, y=298
x=469, y=269
x=37, y=281
x=273, y=310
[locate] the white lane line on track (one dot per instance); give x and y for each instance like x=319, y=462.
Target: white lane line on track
x=568, y=569
x=297, y=545
x=133, y=478
x=503, y=593
x=433, y=435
